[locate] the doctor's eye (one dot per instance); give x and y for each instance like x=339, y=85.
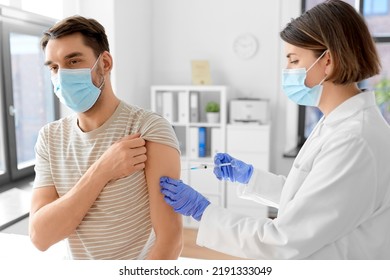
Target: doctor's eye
x=294, y=62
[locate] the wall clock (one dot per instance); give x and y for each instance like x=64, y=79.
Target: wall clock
x=245, y=46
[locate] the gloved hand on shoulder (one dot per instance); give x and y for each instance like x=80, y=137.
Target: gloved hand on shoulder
x=183, y=199
x=238, y=171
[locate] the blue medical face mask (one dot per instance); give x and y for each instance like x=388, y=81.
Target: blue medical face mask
x=75, y=89
x=293, y=83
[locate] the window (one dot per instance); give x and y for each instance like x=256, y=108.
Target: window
x=26, y=100
x=377, y=16
x=375, y=7
x=49, y=8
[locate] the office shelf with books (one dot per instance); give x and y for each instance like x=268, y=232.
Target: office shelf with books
x=199, y=139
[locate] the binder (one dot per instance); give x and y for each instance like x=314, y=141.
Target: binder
x=168, y=106
x=202, y=141
x=194, y=142
x=194, y=106
x=183, y=107
x=159, y=103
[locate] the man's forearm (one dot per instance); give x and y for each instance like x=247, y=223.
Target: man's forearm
x=58, y=219
x=169, y=250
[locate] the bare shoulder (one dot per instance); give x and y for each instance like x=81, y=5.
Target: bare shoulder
x=163, y=160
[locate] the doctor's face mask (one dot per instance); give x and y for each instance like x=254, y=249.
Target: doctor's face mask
x=75, y=89
x=293, y=83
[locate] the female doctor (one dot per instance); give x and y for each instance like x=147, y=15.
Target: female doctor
x=335, y=202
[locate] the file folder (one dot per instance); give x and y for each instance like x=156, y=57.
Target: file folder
x=194, y=142
x=194, y=106
x=183, y=107
x=168, y=106
x=202, y=141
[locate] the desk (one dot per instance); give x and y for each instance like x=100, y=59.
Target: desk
x=19, y=247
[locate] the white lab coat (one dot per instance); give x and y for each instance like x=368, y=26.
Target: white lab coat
x=334, y=203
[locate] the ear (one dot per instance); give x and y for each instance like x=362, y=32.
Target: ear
x=328, y=63
x=107, y=62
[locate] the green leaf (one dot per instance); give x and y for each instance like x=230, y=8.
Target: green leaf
x=212, y=107
x=382, y=91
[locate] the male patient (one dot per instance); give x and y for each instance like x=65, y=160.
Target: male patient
x=98, y=170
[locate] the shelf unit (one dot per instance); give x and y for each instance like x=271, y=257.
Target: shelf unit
x=184, y=107
x=247, y=142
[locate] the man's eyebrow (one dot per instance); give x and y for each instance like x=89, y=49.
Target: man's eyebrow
x=73, y=54
x=68, y=56
x=47, y=63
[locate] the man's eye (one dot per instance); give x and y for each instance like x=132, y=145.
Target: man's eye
x=294, y=62
x=73, y=62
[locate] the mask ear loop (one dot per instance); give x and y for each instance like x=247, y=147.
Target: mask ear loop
x=323, y=80
x=96, y=62
x=316, y=60
x=103, y=82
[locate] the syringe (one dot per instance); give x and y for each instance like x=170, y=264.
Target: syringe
x=207, y=165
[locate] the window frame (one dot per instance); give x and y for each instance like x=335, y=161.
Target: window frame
x=20, y=22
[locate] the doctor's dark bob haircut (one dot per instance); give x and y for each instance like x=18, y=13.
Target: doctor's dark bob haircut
x=337, y=27
x=93, y=33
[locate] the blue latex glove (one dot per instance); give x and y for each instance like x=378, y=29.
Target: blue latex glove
x=183, y=199
x=239, y=171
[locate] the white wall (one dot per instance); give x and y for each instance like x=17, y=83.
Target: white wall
x=153, y=42
x=133, y=47
x=184, y=30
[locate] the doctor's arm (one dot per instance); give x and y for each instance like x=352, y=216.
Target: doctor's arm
x=326, y=203
x=163, y=161
x=251, y=183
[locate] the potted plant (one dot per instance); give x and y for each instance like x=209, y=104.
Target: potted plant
x=382, y=92
x=212, y=112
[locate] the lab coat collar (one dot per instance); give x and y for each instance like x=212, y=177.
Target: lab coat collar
x=350, y=107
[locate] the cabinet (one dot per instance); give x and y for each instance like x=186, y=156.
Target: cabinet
x=199, y=140
x=249, y=143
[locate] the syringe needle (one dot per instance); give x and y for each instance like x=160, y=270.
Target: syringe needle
x=207, y=165
x=223, y=164
x=216, y=165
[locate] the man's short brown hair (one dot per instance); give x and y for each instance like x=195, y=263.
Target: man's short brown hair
x=93, y=33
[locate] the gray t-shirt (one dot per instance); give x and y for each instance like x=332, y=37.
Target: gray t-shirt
x=118, y=225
